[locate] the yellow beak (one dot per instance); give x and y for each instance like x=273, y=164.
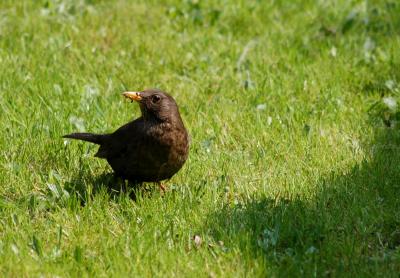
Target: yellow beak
x=132, y=95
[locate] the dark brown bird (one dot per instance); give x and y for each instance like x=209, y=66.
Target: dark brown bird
x=151, y=148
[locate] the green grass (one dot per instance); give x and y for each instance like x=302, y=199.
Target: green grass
x=292, y=171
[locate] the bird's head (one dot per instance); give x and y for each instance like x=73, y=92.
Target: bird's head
x=155, y=105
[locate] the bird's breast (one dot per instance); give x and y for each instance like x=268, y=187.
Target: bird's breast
x=174, y=141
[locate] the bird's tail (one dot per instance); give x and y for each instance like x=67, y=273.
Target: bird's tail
x=90, y=137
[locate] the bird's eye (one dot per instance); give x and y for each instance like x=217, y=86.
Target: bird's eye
x=155, y=98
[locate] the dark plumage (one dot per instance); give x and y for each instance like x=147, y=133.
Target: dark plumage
x=151, y=148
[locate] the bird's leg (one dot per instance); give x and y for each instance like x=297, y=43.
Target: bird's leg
x=161, y=186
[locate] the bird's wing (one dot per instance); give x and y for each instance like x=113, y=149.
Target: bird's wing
x=133, y=152
x=117, y=143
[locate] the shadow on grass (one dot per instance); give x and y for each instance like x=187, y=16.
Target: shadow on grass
x=351, y=226
x=85, y=187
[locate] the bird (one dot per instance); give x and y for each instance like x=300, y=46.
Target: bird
x=151, y=148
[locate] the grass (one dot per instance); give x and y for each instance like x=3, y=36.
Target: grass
x=293, y=170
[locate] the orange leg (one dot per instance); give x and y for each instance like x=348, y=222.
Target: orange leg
x=162, y=187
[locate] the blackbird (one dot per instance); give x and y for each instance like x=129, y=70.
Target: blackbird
x=151, y=148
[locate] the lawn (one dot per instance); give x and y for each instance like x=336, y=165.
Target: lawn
x=292, y=108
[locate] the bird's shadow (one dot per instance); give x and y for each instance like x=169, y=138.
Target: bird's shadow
x=87, y=186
